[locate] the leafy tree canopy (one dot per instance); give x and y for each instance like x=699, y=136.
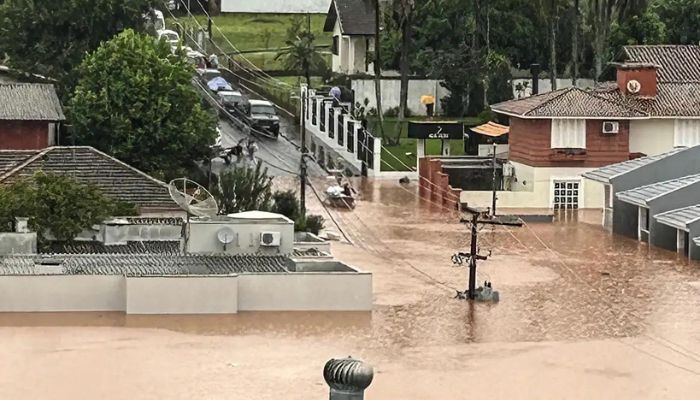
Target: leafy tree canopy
x=135, y=101
x=244, y=189
x=57, y=204
x=51, y=37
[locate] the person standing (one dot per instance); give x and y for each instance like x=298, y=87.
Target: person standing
x=429, y=102
x=252, y=149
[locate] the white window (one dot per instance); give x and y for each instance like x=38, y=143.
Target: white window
x=686, y=132
x=566, y=194
x=568, y=134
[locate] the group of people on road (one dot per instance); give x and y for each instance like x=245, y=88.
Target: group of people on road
x=245, y=145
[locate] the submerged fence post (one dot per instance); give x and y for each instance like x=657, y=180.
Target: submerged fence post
x=348, y=378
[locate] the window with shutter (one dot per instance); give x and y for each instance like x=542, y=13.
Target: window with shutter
x=568, y=134
x=686, y=132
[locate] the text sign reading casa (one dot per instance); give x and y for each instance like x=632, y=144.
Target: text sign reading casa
x=435, y=130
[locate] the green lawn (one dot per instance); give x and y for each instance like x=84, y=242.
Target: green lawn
x=399, y=159
x=257, y=32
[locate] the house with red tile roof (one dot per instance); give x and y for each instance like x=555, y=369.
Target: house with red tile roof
x=653, y=106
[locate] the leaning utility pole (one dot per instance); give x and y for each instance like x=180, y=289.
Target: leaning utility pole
x=493, y=182
x=302, y=175
x=473, y=255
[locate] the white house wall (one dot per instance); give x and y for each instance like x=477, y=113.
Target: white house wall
x=652, y=136
x=534, y=189
x=61, y=293
x=391, y=90
x=182, y=295
x=276, y=6
x=202, y=238
x=335, y=58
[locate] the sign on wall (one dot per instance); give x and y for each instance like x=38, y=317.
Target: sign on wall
x=435, y=130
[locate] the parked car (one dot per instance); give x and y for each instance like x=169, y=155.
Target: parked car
x=205, y=75
x=232, y=101
x=263, y=115
x=194, y=57
x=172, y=37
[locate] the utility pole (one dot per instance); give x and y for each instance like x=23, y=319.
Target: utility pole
x=493, y=183
x=302, y=176
x=473, y=254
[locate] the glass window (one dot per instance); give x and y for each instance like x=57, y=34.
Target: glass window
x=568, y=134
x=686, y=132
x=262, y=109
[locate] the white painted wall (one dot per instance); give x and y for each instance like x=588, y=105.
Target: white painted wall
x=545, y=85
x=335, y=58
x=61, y=293
x=305, y=292
x=651, y=136
x=391, y=90
x=203, y=238
x=276, y=6
x=534, y=189
x=17, y=243
x=182, y=295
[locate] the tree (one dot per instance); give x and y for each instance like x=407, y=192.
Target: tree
x=378, y=66
x=50, y=37
x=574, y=42
x=58, y=205
x=301, y=55
x=244, y=189
x=646, y=28
x=602, y=13
x=403, y=14
x=135, y=101
x=681, y=18
x=286, y=203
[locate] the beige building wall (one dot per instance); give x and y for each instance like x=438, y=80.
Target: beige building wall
x=182, y=295
x=651, y=136
x=535, y=187
x=57, y=293
x=305, y=292
x=202, y=238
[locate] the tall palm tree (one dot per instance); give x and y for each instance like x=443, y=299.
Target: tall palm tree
x=301, y=54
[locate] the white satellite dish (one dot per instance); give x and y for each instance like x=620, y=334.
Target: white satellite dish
x=225, y=235
x=193, y=197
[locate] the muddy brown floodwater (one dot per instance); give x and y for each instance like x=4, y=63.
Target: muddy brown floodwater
x=592, y=316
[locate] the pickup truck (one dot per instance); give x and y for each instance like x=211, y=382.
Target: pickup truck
x=262, y=115
x=232, y=101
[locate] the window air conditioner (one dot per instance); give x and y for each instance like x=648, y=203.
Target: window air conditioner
x=270, y=239
x=611, y=127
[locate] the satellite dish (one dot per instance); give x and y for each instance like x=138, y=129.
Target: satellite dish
x=193, y=197
x=633, y=86
x=225, y=236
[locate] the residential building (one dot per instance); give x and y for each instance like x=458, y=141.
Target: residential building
x=652, y=107
x=274, y=6
x=88, y=165
x=652, y=198
x=30, y=114
x=353, y=24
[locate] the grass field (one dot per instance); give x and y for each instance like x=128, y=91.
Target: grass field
x=267, y=32
x=405, y=153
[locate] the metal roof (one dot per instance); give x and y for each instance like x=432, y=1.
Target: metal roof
x=641, y=195
x=141, y=264
x=604, y=174
x=29, y=102
x=697, y=241
x=679, y=218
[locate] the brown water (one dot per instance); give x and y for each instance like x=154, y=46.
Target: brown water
x=598, y=317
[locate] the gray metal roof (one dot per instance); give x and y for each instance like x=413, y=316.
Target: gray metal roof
x=29, y=102
x=132, y=247
x=641, y=195
x=604, y=174
x=697, y=241
x=141, y=264
x=679, y=218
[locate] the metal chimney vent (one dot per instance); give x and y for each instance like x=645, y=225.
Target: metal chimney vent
x=348, y=378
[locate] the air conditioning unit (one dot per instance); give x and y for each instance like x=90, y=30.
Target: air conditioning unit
x=611, y=127
x=270, y=239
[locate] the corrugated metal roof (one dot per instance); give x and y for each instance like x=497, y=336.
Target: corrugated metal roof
x=143, y=264
x=131, y=247
x=604, y=174
x=641, y=195
x=697, y=241
x=29, y=102
x=679, y=218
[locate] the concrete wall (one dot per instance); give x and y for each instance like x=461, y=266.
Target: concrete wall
x=545, y=85
x=391, y=90
x=534, y=189
x=307, y=240
x=693, y=249
x=305, y=292
x=653, y=136
x=203, y=238
x=120, y=234
x=182, y=295
x=276, y=6
x=61, y=293
x=17, y=243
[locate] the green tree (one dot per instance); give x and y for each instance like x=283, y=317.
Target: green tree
x=244, y=189
x=301, y=55
x=286, y=203
x=403, y=15
x=58, y=205
x=135, y=101
x=681, y=18
x=646, y=28
x=50, y=37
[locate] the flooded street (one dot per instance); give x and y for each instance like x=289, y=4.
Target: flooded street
x=583, y=315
